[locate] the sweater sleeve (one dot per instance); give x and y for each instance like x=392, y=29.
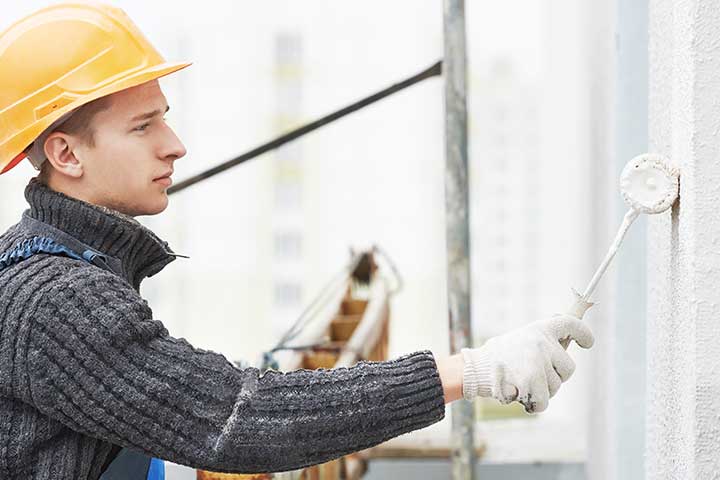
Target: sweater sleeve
x=98, y=363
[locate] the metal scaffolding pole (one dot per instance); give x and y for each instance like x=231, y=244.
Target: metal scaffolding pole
x=457, y=226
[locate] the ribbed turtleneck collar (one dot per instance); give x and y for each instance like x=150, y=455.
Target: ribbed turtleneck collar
x=112, y=233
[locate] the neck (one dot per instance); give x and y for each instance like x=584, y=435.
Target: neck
x=111, y=232
x=74, y=188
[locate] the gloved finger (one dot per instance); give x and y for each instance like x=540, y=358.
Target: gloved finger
x=563, y=364
x=504, y=391
x=539, y=394
x=553, y=379
x=564, y=327
x=534, y=394
x=509, y=393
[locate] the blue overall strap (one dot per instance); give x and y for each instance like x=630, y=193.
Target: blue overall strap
x=156, y=470
x=31, y=246
x=128, y=465
x=82, y=251
x=131, y=465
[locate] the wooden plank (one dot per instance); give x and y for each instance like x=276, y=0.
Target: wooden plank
x=367, y=335
x=203, y=475
x=355, y=467
x=399, y=452
x=314, y=333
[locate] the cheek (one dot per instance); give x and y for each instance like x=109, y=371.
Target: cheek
x=123, y=162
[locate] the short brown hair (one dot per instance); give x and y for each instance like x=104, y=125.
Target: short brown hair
x=80, y=124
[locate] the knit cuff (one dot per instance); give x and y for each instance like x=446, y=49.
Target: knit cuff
x=477, y=373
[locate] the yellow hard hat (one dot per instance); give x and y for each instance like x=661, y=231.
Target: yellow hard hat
x=62, y=57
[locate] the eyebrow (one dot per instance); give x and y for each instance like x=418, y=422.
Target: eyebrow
x=148, y=115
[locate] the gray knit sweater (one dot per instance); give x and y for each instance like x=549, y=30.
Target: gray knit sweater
x=85, y=370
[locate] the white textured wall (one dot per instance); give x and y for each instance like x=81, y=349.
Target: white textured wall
x=683, y=426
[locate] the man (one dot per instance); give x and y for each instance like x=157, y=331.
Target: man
x=91, y=384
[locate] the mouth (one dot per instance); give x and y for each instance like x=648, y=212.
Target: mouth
x=165, y=180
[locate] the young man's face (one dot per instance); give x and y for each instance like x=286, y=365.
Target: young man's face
x=128, y=167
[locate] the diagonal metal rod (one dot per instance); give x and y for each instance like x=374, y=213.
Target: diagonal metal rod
x=433, y=71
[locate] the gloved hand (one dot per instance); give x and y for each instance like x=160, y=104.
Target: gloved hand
x=527, y=365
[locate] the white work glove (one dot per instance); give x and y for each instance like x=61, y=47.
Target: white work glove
x=527, y=365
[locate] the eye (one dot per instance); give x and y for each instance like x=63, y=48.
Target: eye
x=142, y=127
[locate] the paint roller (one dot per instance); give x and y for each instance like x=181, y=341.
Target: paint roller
x=649, y=184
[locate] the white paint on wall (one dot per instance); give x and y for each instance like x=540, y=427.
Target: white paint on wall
x=684, y=262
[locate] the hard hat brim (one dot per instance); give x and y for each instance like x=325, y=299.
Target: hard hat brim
x=15, y=147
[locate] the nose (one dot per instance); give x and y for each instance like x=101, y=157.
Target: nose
x=172, y=148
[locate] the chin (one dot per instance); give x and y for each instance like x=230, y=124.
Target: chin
x=150, y=208
x=158, y=208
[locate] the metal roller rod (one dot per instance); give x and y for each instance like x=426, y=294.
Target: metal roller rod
x=650, y=185
x=629, y=218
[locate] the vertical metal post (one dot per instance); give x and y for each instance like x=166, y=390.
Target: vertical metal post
x=457, y=226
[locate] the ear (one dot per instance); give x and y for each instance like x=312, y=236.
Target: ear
x=59, y=150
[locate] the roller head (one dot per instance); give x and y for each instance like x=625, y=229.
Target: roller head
x=649, y=184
